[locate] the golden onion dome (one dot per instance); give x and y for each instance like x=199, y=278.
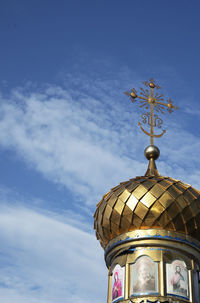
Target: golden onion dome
x=148, y=202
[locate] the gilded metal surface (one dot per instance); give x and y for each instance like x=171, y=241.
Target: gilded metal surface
x=155, y=234
x=155, y=254
x=184, y=250
x=127, y=284
x=148, y=203
x=161, y=275
x=152, y=169
x=153, y=299
x=191, y=283
x=109, y=297
x=151, y=101
x=153, y=242
x=152, y=151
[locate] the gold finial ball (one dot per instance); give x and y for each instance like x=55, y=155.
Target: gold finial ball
x=152, y=152
x=133, y=95
x=152, y=85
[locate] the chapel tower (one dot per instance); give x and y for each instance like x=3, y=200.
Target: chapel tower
x=149, y=227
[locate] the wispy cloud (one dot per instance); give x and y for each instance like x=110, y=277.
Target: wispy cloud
x=43, y=259
x=77, y=142
x=86, y=138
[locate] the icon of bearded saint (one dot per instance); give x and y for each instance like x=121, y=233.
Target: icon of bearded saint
x=177, y=279
x=145, y=269
x=117, y=286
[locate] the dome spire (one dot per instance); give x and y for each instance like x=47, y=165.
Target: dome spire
x=152, y=153
x=151, y=102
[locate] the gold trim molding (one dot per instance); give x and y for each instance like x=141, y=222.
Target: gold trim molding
x=153, y=233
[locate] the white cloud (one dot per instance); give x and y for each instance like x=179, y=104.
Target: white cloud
x=46, y=260
x=75, y=142
x=86, y=139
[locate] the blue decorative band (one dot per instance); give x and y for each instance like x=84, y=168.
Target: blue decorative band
x=156, y=236
x=180, y=297
x=118, y=299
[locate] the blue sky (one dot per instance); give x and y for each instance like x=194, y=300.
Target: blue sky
x=68, y=133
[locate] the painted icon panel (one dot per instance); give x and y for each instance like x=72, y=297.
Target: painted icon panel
x=144, y=276
x=118, y=283
x=177, y=279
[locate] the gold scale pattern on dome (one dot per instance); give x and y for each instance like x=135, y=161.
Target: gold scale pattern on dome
x=150, y=201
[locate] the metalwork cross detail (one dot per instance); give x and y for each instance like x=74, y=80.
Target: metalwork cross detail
x=149, y=100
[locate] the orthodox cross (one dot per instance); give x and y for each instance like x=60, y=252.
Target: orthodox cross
x=151, y=101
